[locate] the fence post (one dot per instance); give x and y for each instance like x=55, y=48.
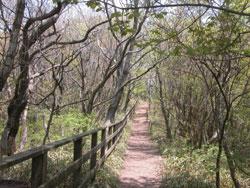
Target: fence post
x=77, y=155
x=109, y=133
x=120, y=132
x=39, y=170
x=114, y=129
x=93, y=155
x=123, y=125
x=103, y=149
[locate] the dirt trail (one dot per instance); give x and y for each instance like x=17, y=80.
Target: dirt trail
x=143, y=163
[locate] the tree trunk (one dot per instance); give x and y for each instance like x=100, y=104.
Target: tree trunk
x=123, y=72
x=46, y=136
x=8, y=62
x=231, y=165
x=114, y=106
x=24, y=129
x=19, y=101
x=163, y=109
x=82, y=89
x=83, y=109
x=17, y=106
x=35, y=128
x=127, y=100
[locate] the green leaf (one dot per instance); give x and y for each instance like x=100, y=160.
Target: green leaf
x=190, y=51
x=98, y=9
x=133, y=14
x=159, y=16
x=176, y=51
x=116, y=14
x=68, y=1
x=156, y=32
x=246, y=52
x=93, y=4
x=115, y=28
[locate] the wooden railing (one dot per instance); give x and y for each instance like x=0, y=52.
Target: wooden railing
x=110, y=136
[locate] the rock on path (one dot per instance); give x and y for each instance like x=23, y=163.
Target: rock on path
x=143, y=163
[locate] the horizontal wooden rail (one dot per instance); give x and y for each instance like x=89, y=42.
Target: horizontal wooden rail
x=110, y=136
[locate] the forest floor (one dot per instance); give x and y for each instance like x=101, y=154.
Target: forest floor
x=143, y=165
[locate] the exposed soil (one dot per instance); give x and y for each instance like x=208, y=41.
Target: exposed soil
x=143, y=163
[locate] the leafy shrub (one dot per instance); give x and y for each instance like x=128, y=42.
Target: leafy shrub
x=73, y=122
x=186, y=167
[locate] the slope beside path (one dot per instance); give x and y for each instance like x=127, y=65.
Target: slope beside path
x=143, y=164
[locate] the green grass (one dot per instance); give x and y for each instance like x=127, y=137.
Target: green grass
x=186, y=167
x=67, y=123
x=60, y=158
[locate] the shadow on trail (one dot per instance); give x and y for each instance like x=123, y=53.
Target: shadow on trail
x=144, y=150
x=143, y=164
x=140, y=114
x=134, y=183
x=185, y=180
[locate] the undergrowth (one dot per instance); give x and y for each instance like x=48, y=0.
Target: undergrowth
x=186, y=167
x=67, y=124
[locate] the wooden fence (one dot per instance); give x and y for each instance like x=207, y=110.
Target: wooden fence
x=110, y=136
